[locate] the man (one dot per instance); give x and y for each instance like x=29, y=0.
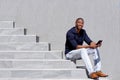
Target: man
x=74, y=49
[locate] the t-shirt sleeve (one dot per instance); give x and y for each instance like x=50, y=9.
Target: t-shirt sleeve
x=86, y=38
x=71, y=39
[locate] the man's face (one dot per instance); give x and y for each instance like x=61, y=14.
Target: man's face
x=79, y=24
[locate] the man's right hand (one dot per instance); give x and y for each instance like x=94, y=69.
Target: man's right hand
x=93, y=45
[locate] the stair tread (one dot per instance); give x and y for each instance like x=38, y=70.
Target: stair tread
x=23, y=42
x=34, y=60
x=48, y=79
x=33, y=51
x=16, y=35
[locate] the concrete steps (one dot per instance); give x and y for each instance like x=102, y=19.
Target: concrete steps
x=6, y=24
x=24, y=57
x=49, y=79
x=25, y=46
x=43, y=73
x=13, y=31
x=31, y=54
x=18, y=38
x=36, y=64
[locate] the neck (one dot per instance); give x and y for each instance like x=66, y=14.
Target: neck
x=78, y=30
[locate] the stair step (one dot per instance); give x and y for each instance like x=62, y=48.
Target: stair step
x=18, y=38
x=25, y=46
x=31, y=54
x=43, y=73
x=79, y=62
x=36, y=64
x=49, y=79
x=6, y=24
x=14, y=31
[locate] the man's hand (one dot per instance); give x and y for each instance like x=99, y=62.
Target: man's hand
x=99, y=45
x=93, y=45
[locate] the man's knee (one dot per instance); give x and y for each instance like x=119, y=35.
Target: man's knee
x=83, y=50
x=73, y=55
x=95, y=50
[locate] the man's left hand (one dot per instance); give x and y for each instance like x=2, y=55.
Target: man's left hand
x=99, y=45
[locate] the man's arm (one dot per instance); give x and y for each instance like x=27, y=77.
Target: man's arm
x=92, y=45
x=71, y=39
x=82, y=46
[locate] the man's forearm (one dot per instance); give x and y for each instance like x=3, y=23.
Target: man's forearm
x=92, y=43
x=83, y=46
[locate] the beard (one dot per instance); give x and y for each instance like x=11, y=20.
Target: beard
x=79, y=27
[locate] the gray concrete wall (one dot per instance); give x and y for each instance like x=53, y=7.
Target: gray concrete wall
x=50, y=19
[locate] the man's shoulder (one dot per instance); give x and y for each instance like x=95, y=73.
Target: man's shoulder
x=83, y=30
x=71, y=30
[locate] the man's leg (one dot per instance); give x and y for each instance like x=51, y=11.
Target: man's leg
x=82, y=53
x=96, y=57
x=97, y=62
x=86, y=59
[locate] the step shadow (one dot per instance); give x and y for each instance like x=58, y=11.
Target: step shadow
x=37, y=38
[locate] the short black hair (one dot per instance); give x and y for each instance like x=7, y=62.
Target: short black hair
x=79, y=19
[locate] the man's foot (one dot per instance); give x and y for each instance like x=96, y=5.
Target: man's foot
x=101, y=74
x=93, y=75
